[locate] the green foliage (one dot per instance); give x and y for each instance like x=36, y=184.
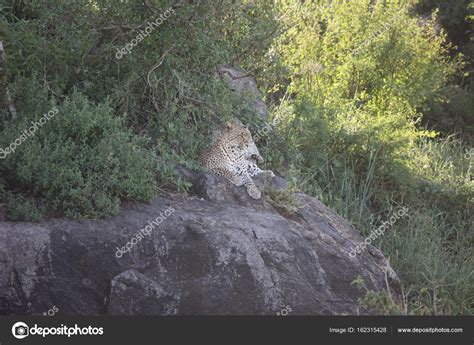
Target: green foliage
x=434, y=255
x=167, y=86
x=354, y=80
x=81, y=163
x=451, y=111
x=359, y=85
x=454, y=16
x=380, y=303
x=282, y=200
x=22, y=208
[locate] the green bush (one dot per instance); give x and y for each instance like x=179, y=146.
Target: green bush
x=80, y=163
x=362, y=79
x=167, y=87
x=361, y=75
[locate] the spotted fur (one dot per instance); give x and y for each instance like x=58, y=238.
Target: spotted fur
x=234, y=155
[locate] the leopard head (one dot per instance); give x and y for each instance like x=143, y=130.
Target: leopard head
x=240, y=140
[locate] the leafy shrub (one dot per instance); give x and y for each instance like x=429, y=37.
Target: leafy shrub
x=358, y=87
x=362, y=79
x=81, y=163
x=168, y=88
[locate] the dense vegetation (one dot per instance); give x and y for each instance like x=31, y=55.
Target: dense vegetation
x=372, y=104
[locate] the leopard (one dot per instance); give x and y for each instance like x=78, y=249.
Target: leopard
x=235, y=156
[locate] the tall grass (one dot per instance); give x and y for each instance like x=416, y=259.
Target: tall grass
x=431, y=248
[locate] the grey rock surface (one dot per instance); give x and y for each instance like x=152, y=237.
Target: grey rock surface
x=242, y=82
x=216, y=252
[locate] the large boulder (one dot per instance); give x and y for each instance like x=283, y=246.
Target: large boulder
x=215, y=252
x=242, y=83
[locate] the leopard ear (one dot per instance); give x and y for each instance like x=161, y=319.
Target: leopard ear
x=229, y=125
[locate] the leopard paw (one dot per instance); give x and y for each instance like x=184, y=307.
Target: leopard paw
x=236, y=180
x=254, y=192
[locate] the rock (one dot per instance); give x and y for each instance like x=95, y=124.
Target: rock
x=242, y=82
x=147, y=296
x=276, y=183
x=217, y=252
